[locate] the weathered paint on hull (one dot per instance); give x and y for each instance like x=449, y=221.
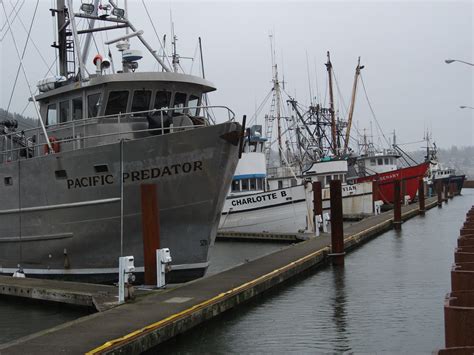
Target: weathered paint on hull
x=409, y=175
x=79, y=214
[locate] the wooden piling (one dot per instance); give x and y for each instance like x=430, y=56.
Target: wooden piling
x=150, y=230
x=439, y=191
x=446, y=192
x=421, y=196
x=337, y=229
x=452, y=187
x=317, y=198
x=397, y=205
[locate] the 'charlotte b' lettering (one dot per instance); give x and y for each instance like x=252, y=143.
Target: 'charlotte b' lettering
x=135, y=175
x=259, y=198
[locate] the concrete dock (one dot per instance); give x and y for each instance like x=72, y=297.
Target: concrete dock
x=152, y=319
x=100, y=297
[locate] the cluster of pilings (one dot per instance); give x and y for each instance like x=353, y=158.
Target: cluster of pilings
x=459, y=303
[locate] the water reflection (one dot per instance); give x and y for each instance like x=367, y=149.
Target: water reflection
x=339, y=309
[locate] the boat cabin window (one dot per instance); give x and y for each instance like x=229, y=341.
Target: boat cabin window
x=386, y=161
x=117, y=103
x=380, y=161
x=328, y=179
x=193, y=105
x=245, y=184
x=260, y=184
x=280, y=184
x=235, y=185
x=179, y=103
x=162, y=99
x=93, y=103
x=294, y=182
x=253, y=184
x=141, y=100
x=77, y=108
x=52, y=115
x=63, y=111
x=372, y=162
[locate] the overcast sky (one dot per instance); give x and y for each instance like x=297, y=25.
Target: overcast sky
x=403, y=45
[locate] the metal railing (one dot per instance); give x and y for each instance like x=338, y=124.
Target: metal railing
x=31, y=142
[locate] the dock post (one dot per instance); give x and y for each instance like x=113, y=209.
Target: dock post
x=451, y=189
x=421, y=196
x=446, y=192
x=375, y=195
x=439, y=192
x=397, y=205
x=317, y=203
x=337, y=228
x=150, y=230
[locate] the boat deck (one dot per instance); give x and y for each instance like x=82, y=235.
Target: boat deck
x=149, y=320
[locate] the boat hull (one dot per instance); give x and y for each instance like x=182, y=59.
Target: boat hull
x=288, y=210
x=61, y=216
x=410, y=177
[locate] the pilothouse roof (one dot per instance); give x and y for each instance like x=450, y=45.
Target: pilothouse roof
x=163, y=77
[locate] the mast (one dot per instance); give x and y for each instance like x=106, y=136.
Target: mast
x=351, y=110
x=62, y=37
x=277, y=95
x=331, y=108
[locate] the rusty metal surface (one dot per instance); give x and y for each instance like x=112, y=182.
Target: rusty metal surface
x=151, y=230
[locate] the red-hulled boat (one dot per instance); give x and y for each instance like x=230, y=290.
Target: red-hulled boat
x=409, y=177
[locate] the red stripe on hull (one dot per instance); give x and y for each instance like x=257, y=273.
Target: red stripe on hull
x=409, y=175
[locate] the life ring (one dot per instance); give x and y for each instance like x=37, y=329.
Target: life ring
x=55, y=145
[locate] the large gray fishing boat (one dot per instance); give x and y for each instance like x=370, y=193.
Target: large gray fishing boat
x=71, y=187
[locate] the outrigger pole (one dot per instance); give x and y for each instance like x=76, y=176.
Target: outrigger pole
x=351, y=110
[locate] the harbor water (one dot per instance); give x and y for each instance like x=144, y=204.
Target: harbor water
x=388, y=298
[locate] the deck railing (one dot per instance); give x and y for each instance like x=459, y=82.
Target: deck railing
x=31, y=142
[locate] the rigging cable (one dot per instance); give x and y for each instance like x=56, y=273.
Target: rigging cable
x=372, y=111
x=22, y=56
x=34, y=44
x=156, y=33
x=13, y=20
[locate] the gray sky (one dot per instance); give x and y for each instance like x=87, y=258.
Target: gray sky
x=402, y=44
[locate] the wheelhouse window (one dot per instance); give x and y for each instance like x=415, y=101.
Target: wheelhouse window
x=260, y=184
x=372, y=162
x=117, y=103
x=245, y=184
x=52, y=115
x=93, y=104
x=63, y=111
x=193, y=105
x=235, y=186
x=380, y=161
x=77, y=108
x=141, y=100
x=179, y=103
x=386, y=161
x=162, y=99
x=328, y=179
x=280, y=184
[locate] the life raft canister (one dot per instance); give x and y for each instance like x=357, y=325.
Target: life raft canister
x=55, y=145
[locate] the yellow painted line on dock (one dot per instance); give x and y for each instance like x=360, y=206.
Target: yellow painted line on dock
x=221, y=296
